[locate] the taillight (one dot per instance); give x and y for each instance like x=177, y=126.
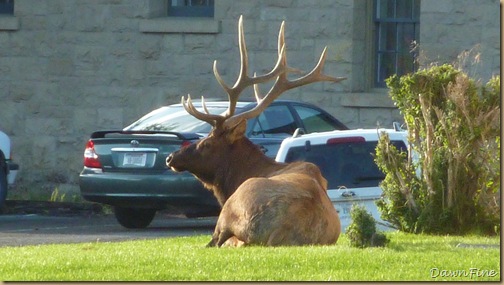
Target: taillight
x=185, y=144
x=90, y=156
x=346, y=140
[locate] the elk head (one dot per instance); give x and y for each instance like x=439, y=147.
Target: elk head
x=226, y=149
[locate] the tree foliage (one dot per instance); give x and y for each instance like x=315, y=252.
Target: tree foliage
x=453, y=126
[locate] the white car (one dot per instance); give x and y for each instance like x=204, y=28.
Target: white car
x=8, y=169
x=346, y=159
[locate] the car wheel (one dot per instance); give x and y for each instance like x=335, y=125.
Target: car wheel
x=134, y=218
x=3, y=187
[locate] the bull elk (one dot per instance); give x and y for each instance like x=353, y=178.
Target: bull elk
x=263, y=202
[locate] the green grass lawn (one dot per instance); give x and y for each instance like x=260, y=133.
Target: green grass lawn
x=407, y=257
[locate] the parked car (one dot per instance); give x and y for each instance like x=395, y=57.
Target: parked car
x=8, y=169
x=126, y=168
x=346, y=161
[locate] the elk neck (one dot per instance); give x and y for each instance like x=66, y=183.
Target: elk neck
x=245, y=161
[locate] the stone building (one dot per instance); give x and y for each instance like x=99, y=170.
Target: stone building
x=70, y=67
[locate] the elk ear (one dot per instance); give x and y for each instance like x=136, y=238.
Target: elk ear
x=237, y=131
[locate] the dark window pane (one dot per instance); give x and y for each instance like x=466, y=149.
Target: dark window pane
x=406, y=36
x=6, y=6
x=345, y=164
x=416, y=9
x=277, y=120
x=404, y=9
x=191, y=8
x=387, y=37
x=385, y=9
x=313, y=120
x=386, y=65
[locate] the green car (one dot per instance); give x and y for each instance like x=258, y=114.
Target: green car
x=127, y=169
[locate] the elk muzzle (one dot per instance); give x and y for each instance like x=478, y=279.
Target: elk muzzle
x=169, y=160
x=171, y=163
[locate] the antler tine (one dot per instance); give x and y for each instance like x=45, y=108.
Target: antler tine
x=281, y=39
x=243, y=80
x=256, y=91
x=282, y=84
x=206, y=117
x=315, y=75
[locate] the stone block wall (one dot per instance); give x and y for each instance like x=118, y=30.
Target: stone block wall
x=71, y=67
x=451, y=27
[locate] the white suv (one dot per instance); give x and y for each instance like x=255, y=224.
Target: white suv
x=8, y=169
x=346, y=159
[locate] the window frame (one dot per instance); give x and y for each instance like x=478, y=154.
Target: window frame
x=396, y=51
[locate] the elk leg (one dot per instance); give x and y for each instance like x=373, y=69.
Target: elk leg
x=224, y=236
x=212, y=242
x=215, y=237
x=233, y=242
x=219, y=237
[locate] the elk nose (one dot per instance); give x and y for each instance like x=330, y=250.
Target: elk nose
x=168, y=160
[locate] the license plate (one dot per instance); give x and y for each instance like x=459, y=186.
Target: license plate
x=134, y=159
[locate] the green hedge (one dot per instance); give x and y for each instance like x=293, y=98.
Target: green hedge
x=453, y=125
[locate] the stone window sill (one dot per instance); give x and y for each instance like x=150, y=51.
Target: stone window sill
x=9, y=23
x=180, y=25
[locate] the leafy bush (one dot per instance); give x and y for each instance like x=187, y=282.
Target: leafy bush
x=454, y=126
x=362, y=231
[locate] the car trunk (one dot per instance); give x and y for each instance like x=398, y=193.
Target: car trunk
x=137, y=152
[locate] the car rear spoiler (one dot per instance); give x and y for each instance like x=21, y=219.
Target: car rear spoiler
x=181, y=136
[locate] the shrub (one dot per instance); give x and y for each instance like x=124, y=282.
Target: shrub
x=362, y=231
x=454, y=126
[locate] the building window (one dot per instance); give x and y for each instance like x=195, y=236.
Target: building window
x=7, y=7
x=397, y=24
x=191, y=8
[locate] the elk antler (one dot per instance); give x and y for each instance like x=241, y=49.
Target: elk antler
x=243, y=81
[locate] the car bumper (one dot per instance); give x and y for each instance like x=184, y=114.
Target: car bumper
x=344, y=198
x=13, y=169
x=161, y=190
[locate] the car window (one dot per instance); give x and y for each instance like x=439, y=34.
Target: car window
x=173, y=119
x=275, y=120
x=314, y=120
x=344, y=165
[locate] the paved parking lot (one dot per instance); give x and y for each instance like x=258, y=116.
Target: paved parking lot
x=34, y=229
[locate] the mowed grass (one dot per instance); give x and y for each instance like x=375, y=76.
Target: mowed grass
x=408, y=257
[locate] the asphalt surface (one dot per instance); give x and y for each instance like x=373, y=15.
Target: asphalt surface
x=22, y=229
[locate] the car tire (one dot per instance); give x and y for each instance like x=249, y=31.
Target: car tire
x=134, y=218
x=3, y=187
